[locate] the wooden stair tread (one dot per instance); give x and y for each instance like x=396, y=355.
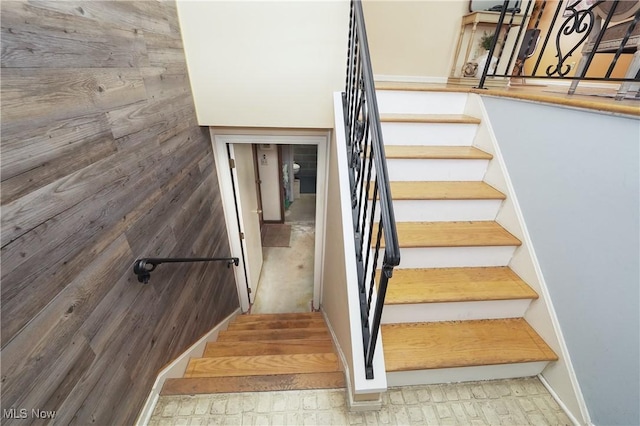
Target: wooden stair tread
x=429, y=118
x=262, y=365
x=452, y=234
x=277, y=347
x=277, y=324
x=427, y=190
x=419, y=87
x=279, y=382
x=421, y=346
x=278, y=317
x=439, y=285
x=425, y=152
x=287, y=334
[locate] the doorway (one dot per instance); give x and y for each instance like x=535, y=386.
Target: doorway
x=286, y=281
x=312, y=203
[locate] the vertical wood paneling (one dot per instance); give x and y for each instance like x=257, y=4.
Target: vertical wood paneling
x=102, y=162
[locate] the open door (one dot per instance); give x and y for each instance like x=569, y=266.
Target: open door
x=248, y=212
x=254, y=149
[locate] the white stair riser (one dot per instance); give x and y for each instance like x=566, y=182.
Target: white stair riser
x=445, y=210
x=453, y=257
x=464, y=374
x=401, y=102
x=454, y=311
x=436, y=170
x=432, y=134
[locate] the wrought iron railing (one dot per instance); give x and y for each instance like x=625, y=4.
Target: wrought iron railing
x=578, y=30
x=373, y=218
x=143, y=267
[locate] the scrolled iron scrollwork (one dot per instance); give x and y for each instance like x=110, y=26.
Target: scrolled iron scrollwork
x=578, y=22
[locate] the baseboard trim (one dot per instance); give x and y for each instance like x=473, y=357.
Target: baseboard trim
x=178, y=366
x=410, y=79
x=560, y=403
x=351, y=403
x=359, y=406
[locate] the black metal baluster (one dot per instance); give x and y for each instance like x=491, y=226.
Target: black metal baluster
x=504, y=39
x=520, y=30
x=376, y=254
x=366, y=157
x=493, y=45
x=370, y=233
x=387, y=272
x=368, y=346
x=548, y=36
x=632, y=26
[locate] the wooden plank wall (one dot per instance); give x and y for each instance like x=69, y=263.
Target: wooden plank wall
x=102, y=162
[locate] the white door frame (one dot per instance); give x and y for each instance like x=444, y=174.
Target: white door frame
x=322, y=140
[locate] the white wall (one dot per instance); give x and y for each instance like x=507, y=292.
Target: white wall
x=413, y=38
x=340, y=300
x=577, y=178
x=269, y=172
x=265, y=63
x=334, y=291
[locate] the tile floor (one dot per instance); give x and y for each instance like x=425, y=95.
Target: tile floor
x=501, y=402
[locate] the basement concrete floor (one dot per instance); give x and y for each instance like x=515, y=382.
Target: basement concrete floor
x=286, y=280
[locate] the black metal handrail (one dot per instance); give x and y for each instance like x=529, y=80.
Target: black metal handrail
x=143, y=267
x=371, y=206
x=575, y=20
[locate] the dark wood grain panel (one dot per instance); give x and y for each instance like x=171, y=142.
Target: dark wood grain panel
x=102, y=162
x=103, y=179
x=135, y=117
x=68, y=376
x=35, y=37
x=161, y=86
x=82, y=154
x=34, y=146
x=107, y=319
x=42, y=96
x=106, y=398
x=43, y=272
x=148, y=16
x=46, y=335
x=144, y=235
x=163, y=41
x=55, y=384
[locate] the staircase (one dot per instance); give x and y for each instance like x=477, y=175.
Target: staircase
x=454, y=309
x=266, y=352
